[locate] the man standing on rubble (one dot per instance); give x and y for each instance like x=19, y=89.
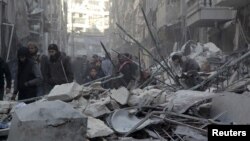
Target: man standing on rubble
x=59, y=68
x=189, y=68
x=4, y=73
x=127, y=69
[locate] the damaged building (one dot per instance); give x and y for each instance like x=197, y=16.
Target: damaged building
x=174, y=22
x=189, y=69
x=41, y=21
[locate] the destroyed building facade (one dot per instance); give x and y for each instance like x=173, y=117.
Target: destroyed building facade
x=223, y=22
x=41, y=21
x=161, y=108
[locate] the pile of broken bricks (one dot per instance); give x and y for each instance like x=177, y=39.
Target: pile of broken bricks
x=95, y=113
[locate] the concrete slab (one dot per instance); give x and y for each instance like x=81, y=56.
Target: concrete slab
x=65, y=92
x=97, y=108
x=80, y=102
x=190, y=133
x=184, y=99
x=121, y=95
x=97, y=128
x=236, y=107
x=47, y=121
x=141, y=97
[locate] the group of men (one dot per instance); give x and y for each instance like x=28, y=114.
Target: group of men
x=36, y=74
x=106, y=67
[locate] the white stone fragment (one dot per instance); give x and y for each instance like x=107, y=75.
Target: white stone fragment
x=65, y=92
x=137, y=97
x=121, y=95
x=97, y=108
x=97, y=128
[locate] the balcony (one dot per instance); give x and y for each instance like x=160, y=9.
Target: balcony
x=232, y=3
x=201, y=14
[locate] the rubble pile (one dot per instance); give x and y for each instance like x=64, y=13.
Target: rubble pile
x=150, y=113
x=49, y=120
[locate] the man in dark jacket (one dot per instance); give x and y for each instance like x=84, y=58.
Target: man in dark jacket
x=59, y=67
x=28, y=76
x=4, y=73
x=126, y=68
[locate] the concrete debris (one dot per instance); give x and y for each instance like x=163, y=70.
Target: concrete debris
x=81, y=102
x=191, y=134
x=139, y=96
x=97, y=108
x=121, y=95
x=97, y=128
x=18, y=106
x=50, y=121
x=236, y=107
x=163, y=111
x=6, y=106
x=184, y=99
x=65, y=92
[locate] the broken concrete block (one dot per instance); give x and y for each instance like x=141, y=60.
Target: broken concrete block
x=6, y=106
x=121, y=95
x=80, y=102
x=47, y=121
x=65, y=92
x=182, y=100
x=139, y=97
x=97, y=128
x=113, y=105
x=234, y=106
x=192, y=135
x=97, y=108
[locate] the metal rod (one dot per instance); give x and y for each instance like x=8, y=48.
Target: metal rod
x=10, y=41
x=156, y=43
x=139, y=45
x=99, y=79
x=105, y=50
x=183, y=124
x=221, y=70
x=125, y=57
x=167, y=134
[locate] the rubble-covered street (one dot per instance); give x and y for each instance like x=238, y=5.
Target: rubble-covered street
x=124, y=70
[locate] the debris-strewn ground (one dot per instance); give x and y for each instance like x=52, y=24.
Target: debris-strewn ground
x=165, y=111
